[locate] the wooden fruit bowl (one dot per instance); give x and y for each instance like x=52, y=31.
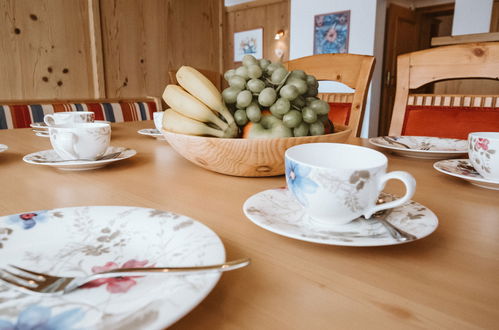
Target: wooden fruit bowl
x=244, y=157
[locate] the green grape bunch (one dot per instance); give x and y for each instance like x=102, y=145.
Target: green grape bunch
x=260, y=87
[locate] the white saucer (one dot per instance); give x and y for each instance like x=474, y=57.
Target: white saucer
x=3, y=147
x=152, y=132
x=463, y=169
x=42, y=125
x=422, y=146
x=277, y=211
x=51, y=155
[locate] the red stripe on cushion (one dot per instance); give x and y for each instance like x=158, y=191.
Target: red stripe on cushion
x=96, y=108
x=339, y=112
x=449, y=122
x=59, y=107
x=20, y=116
x=128, y=111
x=151, y=106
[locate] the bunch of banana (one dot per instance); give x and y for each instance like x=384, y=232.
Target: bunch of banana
x=195, y=107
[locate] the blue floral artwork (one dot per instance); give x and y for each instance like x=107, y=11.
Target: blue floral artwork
x=298, y=182
x=248, y=43
x=28, y=220
x=331, y=32
x=36, y=317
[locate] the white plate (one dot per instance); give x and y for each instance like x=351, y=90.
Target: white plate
x=422, y=146
x=72, y=241
x=42, y=134
x=42, y=125
x=151, y=132
x=462, y=168
x=3, y=147
x=47, y=156
x=277, y=211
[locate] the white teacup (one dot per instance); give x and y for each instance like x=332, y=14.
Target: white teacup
x=337, y=183
x=81, y=140
x=70, y=117
x=483, y=151
x=158, y=119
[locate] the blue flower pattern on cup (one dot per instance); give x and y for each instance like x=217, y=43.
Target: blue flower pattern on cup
x=28, y=220
x=40, y=317
x=298, y=181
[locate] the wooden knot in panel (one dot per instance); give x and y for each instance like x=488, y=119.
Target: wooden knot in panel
x=478, y=52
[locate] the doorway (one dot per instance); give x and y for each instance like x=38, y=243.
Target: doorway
x=408, y=30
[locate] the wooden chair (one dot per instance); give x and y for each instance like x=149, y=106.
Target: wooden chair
x=443, y=115
x=20, y=114
x=355, y=71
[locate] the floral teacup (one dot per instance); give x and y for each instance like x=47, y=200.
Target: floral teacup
x=483, y=148
x=337, y=183
x=80, y=141
x=69, y=117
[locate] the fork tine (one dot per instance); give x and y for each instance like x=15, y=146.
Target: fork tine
x=17, y=276
x=14, y=283
x=28, y=271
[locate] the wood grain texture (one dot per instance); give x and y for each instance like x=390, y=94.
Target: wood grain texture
x=244, y=157
x=45, y=49
x=355, y=71
x=447, y=280
x=473, y=60
x=272, y=16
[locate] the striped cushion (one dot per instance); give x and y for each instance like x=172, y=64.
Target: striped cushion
x=22, y=115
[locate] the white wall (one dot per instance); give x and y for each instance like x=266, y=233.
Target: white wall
x=361, y=39
x=471, y=16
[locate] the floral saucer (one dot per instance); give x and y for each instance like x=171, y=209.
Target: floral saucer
x=42, y=125
x=462, y=168
x=422, y=146
x=152, y=132
x=51, y=158
x=78, y=241
x=277, y=211
x=42, y=134
x=3, y=147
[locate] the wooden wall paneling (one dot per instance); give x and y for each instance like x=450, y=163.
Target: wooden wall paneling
x=45, y=49
x=194, y=31
x=271, y=15
x=134, y=43
x=144, y=40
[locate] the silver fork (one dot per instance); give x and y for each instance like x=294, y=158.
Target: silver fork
x=40, y=283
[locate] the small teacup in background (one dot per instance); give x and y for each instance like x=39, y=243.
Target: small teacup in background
x=80, y=140
x=483, y=152
x=336, y=183
x=70, y=117
x=158, y=119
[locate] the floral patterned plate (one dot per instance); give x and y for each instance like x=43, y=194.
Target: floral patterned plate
x=277, y=211
x=422, y=146
x=3, y=147
x=152, y=132
x=81, y=240
x=45, y=157
x=463, y=169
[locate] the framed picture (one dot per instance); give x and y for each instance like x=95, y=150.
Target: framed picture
x=248, y=42
x=331, y=32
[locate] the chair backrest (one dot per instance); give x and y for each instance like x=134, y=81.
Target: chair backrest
x=20, y=114
x=213, y=76
x=443, y=115
x=355, y=71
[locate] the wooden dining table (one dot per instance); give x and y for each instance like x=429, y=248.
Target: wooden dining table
x=448, y=280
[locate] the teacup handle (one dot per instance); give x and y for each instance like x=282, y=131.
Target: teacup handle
x=410, y=189
x=49, y=120
x=67, y=142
